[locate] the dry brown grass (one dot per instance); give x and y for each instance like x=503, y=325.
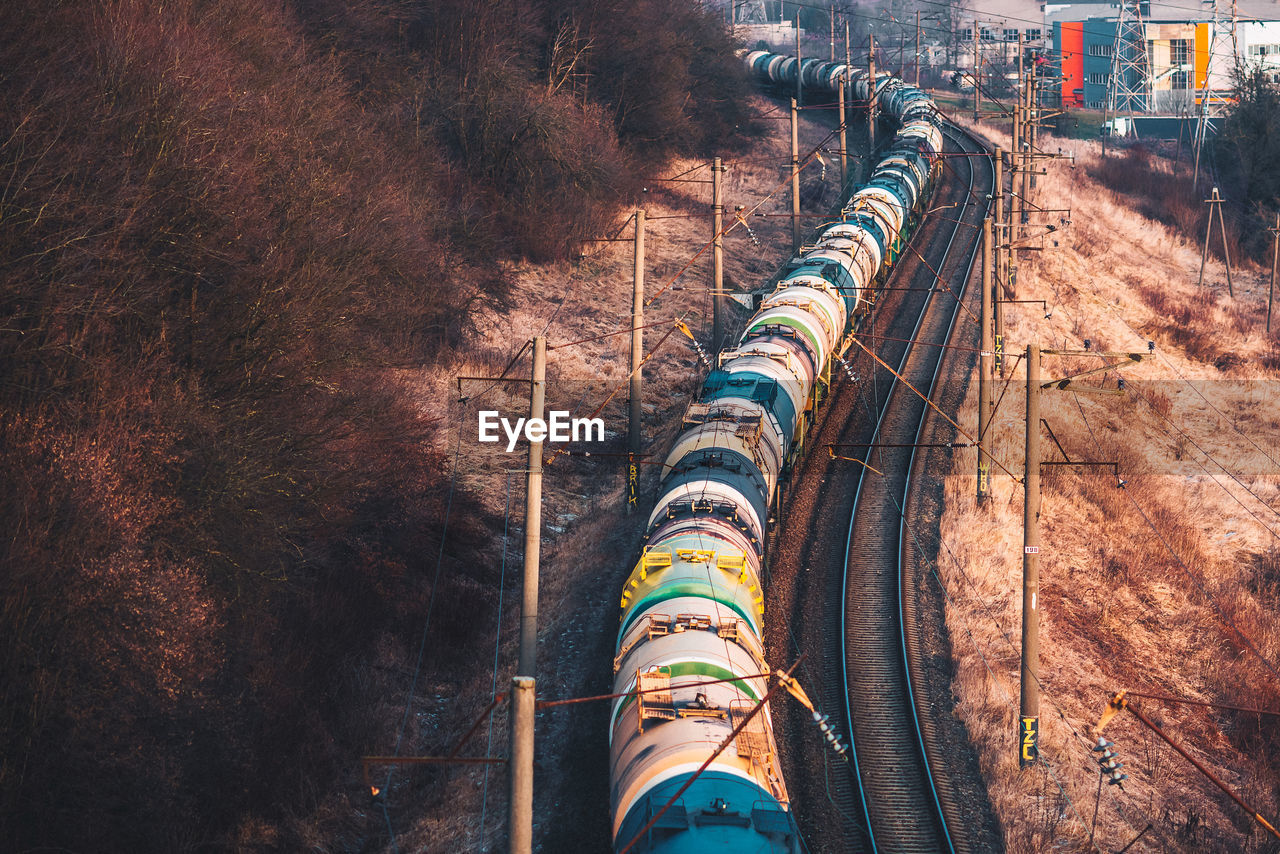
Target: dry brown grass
x=1126, y=603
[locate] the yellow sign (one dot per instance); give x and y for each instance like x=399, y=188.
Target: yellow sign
x=633, y=472
x=1028, y=735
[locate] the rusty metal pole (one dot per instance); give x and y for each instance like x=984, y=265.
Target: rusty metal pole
x=1029, y=709
x=1254, y=814
x=985, y=378
x=795, y=177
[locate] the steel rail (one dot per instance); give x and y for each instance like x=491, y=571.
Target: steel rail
x=935, y=806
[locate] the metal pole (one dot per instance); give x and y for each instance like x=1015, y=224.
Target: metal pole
x=844, y=136
x=985, y=379
x=635, y=399
x=1001, y=263
x=799, y=62
x=833, y=33
x=1015, y=164
x=520, y=829
x=1029, y=712
x=717, y=254
x=1024, y=169
x=1254, y=814
x=1034, y=121
x=917, y=48
x=795, y=178
x=977, y=71
x=846, y=45
x=533, y=520
x=871, y=102
x=1275, y=256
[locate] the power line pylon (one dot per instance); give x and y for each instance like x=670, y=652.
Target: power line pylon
x=1129, y=88
x=1224, y=55
x=749, y=12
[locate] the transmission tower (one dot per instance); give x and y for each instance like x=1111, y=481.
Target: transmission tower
x=1129, y=88
x=1224, y=55
x=749, y=12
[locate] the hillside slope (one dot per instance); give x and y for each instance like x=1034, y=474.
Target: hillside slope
x=225, y=229
x=1169, y=585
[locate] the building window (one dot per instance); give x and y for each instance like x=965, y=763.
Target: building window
x=967, y=34
x=1263, y=50
x=1033, y=35
x=1180, y=80
x=1178, y=50
x=1010, y=35
x=1099, y=79
x=1099, y=50
x=985, y=34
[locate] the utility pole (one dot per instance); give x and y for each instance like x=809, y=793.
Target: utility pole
x=1015, y=165
x=1001, y=262
x=637, y=360
x=977, y=65
x=1034, y=121
x=799, y=62
x=846, y=45
x=1275, y=256
x=833, y=33
x=917, y=48
x=1215, y=207
x=520, y=830
x=795, y=177
x=871, y=103
x=1029, y=711
x=533, y=518
x=717, y=254
x=844, y=134
x=985, y=378
x=1024, y=137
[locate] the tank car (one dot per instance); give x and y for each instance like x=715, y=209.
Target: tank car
x=690, y=665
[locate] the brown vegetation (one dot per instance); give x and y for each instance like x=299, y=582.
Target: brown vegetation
x=222, y=226
x=1161, y=586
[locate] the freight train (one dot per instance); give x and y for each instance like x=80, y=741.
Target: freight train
x=690, y=664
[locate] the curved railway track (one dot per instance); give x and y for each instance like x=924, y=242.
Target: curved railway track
x=848, y=557
x=902, y=805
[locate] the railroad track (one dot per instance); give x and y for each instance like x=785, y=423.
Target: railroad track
x=904, y=807
x=851, y=528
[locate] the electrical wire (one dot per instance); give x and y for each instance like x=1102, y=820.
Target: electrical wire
x=497, y=646
x=1248, y=643
x=1225, y=470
